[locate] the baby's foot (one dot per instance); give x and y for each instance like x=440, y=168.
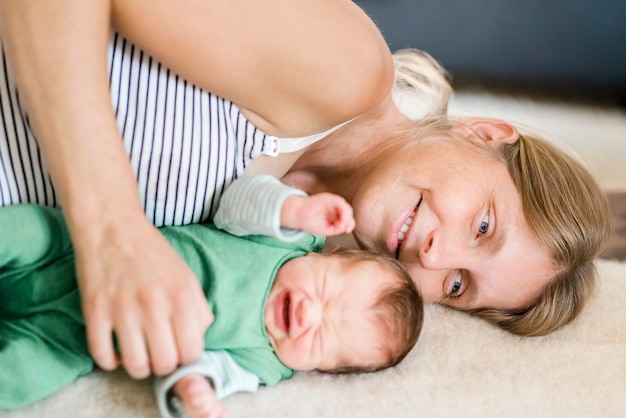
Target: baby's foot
x=198, y=398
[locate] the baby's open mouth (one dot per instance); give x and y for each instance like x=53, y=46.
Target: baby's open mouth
x=405, y=227
x=286, y=309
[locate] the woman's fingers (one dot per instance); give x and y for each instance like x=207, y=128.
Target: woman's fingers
x=132, y=345
x=162, y=349
x=99, y=332
x=142, y=292
x=189, y=325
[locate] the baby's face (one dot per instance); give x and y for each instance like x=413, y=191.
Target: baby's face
x=318, y=315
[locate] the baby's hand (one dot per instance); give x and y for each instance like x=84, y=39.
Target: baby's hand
x=322, y=214
x=198, y=398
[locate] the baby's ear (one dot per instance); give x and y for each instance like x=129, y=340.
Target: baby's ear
x=492, y=131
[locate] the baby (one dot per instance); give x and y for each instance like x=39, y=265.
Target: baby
x=350, y=311
x=343, y=312
x=278, y=307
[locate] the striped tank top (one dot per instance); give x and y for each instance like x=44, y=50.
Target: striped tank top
x=185, y=145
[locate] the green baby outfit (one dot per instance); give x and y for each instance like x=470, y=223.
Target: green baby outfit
x=42, y=335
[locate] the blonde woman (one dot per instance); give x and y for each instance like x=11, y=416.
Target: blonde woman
x=487, y=220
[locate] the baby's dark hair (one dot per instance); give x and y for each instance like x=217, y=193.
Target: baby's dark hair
x=399, y=311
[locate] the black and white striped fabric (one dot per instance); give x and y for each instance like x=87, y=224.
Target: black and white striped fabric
x=185, y=145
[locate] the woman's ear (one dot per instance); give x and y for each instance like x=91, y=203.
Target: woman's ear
x=491, y=131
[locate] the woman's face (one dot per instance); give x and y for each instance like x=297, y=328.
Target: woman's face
x=453, y=216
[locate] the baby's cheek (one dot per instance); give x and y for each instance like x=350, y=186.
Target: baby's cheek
x=301, y=355
x=301, y=348
x=294, y=360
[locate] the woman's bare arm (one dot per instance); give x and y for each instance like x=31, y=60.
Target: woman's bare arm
x=132, y=282
x=295, y=66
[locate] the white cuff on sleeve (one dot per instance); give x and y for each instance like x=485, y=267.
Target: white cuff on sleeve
x=251, y=205
x=226, y=377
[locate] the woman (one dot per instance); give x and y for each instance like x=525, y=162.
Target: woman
x=485, y=219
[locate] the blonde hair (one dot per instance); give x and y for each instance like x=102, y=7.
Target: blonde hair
x=421, y=80
x=567, y=210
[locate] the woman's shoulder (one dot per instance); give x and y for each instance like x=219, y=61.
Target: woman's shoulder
x=331, y=65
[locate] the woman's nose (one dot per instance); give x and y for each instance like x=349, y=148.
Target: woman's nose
x=430, y=230
x=439, y=251
x=430, y=254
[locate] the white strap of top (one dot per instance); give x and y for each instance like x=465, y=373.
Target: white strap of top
x=286, y=145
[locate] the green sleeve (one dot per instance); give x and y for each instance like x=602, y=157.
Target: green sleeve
x=31, y=235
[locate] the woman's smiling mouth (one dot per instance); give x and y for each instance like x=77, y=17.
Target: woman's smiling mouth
x=404, y=228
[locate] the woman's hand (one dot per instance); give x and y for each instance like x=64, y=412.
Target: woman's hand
x=198, y=398
x=135, y=286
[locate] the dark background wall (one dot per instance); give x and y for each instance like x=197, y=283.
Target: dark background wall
x=550, y=43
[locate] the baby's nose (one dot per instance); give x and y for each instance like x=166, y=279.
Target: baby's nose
x=309, y=314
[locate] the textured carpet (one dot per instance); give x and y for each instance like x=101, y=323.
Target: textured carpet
x=461, y=366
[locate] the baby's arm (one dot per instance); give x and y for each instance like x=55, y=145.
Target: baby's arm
x=209, y=379
x=261, y=204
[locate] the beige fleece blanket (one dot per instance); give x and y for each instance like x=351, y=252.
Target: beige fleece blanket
x=461, y=366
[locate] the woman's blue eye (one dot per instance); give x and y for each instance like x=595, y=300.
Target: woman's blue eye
x=484, y=226
x=456, y=286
